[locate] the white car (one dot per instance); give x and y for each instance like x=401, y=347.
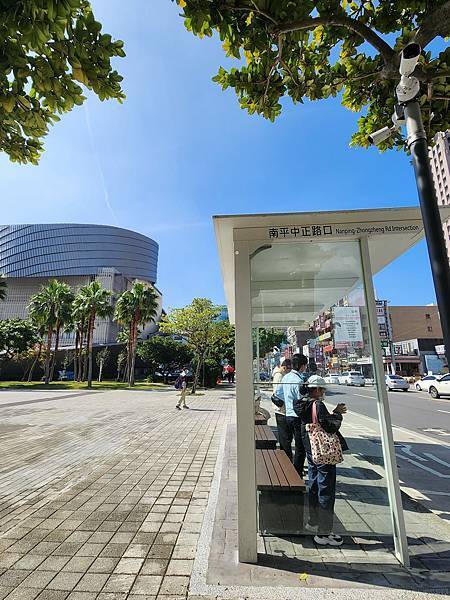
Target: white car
x=331, y=378
x=352, y=378
x=425, y=382
x=395, y=382
x=440, y=387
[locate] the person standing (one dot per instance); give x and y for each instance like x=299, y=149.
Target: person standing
x=292, y=392
x=182, y=386
x=285, y=434
x=321, y=476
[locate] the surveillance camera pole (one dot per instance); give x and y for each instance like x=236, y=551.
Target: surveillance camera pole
x=434, y=235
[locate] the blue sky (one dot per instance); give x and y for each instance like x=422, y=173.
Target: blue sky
x=180, y=150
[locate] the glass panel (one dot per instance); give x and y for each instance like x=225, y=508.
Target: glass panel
x=308, y=298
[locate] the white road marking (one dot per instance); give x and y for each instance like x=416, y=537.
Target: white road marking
x=439, y=460
x=424, y=467
x=444, y=411
x=364, y=396
x=431, y=492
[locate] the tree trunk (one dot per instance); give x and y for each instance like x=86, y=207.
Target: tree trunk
x=75, y=358
x=34, y=363
x=47, y=358
x=133, y=354
x=85, y=354
x=52, y=368
x=89, y=344
x=197, y=374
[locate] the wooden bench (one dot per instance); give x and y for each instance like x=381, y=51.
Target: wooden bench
x=275, y=472
x=264, y=437
x=260, y=420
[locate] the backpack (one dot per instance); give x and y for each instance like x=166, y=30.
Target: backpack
x=178, y=383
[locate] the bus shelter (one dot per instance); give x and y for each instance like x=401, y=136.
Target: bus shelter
x=312, y=272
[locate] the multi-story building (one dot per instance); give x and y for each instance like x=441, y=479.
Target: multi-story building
x=440, y=167
x=415, y=322
x=32, y=255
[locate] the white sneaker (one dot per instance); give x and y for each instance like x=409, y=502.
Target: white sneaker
x=329, y=540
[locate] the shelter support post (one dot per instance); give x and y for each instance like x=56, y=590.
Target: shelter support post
x=257, y=356
x=387, y=438
x=245, y=410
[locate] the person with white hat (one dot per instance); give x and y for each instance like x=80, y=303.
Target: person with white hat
x=321, y=476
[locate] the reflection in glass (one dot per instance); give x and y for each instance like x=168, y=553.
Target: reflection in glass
x=309, y=297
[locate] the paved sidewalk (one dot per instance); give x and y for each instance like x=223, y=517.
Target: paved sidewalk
x=116, y=495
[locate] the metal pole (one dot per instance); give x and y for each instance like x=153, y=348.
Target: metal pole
x=417, y=143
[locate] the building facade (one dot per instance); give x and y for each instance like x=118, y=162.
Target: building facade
x=32, y=255
x=440, y=167
x=415, y=322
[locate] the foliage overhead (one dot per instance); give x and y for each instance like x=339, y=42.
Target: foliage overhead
x=314, y=49
x=47, y=49
x=16, y=337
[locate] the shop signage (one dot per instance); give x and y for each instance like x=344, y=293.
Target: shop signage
x=344, y=230
x=347, y=327
x=440, y=349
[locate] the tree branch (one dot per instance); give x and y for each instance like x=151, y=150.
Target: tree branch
x=436, y=23
x=362, y=30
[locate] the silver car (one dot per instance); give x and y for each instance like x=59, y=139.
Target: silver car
x=395, y=382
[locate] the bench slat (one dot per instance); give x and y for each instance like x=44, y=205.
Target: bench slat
x=274, y=471
x=270, y=468
x=294, y=479
x=279, y=470
x=264, y=437
x=262, y=476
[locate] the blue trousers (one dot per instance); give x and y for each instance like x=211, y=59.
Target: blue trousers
x=322, y=495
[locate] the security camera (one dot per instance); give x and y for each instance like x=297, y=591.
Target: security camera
x=381, y=135
x=409, y=59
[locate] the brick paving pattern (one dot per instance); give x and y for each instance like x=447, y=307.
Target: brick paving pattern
x=103, y=496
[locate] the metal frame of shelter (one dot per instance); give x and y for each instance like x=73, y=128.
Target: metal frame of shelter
x=382, y=235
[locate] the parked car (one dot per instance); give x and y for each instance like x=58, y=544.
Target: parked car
x=352, y=378
x=395, y=382
x=425, y=382
x=440, y=387
x=332, y=378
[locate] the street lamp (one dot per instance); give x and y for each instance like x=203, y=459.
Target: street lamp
x=407, y=112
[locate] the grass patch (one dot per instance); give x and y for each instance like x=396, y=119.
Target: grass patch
x=75, y=385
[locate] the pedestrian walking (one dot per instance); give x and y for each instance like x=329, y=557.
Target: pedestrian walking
x=324, y=446
x=181, y=384
x=285, y=434
x=290, y=390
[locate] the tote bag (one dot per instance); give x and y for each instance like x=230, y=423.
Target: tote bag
x=325, y=447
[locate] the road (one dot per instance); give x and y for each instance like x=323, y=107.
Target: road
x=412, y=410
x=422, y=439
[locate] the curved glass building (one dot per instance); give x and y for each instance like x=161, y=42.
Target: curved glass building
x=30, y=255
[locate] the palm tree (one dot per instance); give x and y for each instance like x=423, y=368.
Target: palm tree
x=94, y=301
x=80, y=317
x=2, y=287
x=135, y=308
x=50, y=308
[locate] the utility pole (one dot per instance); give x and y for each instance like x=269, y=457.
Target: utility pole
x=418, y=146
x=407, y=112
